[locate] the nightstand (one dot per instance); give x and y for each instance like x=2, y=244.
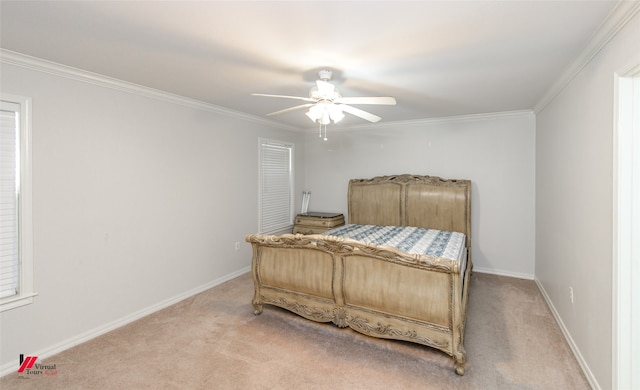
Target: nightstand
x=315, y=223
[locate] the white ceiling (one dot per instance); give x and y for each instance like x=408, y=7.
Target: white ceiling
x=438, y=58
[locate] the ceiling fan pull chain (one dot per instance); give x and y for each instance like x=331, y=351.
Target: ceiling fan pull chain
x=319, y=130
x=325, y=132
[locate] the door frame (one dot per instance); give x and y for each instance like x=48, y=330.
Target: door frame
x=626, y=225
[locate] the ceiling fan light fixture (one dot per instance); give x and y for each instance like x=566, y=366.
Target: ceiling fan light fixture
x=325, y=113
x=335, y=112
x=326, y=118
x=315, y=112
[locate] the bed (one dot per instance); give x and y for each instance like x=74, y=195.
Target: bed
x=384, y=290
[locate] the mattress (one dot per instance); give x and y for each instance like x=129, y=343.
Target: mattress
x=414, y=240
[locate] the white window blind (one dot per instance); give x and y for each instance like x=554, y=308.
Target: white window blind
x=9, y=191
x=16, y=237
x=276, y=186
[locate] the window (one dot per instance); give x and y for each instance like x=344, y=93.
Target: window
x=16, y=263
x=276, y=186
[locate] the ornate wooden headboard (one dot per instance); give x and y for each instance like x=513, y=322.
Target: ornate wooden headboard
x=410, y=200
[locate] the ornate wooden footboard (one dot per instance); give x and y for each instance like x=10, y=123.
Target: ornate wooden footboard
x=376, y=290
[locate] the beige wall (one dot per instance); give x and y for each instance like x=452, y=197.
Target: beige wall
x=495, y=151
x=137, y=201
x=574, y=217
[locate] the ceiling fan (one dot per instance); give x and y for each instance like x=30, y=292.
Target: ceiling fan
x=327, y=105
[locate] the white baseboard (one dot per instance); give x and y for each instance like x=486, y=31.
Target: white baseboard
x=503, y=273
x=93, y=333
x=574, y=348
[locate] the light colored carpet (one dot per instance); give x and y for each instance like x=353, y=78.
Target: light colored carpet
x=213, y=341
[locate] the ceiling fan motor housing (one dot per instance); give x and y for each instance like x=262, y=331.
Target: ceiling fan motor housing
x=328, y=95
x=324, y=90
x=325, y=75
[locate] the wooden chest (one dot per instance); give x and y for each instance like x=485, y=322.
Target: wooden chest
x=314, y=222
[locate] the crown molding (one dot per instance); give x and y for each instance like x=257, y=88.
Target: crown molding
x=49, y=67
x=464, y=118
x=24, y=61
x=431, y=121
x=619, y=17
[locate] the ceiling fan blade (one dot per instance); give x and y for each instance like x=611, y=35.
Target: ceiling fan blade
x=388, y=100
x=359, y=113
x=291, y=109
x=306, y=99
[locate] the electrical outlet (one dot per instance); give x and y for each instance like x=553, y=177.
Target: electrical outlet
x=238, y=248
x=571, y=294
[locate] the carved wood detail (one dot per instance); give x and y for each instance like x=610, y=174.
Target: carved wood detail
x=384, y=330
x=341, y=318
x=317, y=314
